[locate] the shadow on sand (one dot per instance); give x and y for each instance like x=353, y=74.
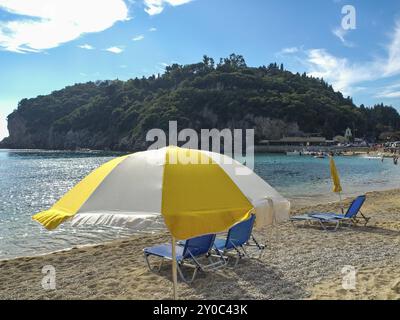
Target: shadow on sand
x=250, y=279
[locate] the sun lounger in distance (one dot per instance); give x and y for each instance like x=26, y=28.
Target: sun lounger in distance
x=326, y=219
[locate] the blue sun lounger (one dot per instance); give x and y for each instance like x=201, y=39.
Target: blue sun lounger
x=187, y=255
x=326, y=219
x=239, y=237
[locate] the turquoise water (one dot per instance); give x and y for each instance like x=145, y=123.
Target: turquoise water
x=31, y=181
x=306, y=180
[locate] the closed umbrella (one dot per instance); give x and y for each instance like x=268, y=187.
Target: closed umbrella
x=337, y=188
x=195, y=192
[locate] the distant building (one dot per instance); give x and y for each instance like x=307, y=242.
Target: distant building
x=348, y=135
x=298, y=141
x=339, y=139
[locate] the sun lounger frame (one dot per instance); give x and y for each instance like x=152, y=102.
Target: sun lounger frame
x=337, y=221
x=190, y=261
x=241, y=249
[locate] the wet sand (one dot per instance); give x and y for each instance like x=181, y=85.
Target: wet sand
x=299, y=263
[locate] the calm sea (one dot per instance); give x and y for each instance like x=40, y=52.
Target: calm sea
x=31, y=181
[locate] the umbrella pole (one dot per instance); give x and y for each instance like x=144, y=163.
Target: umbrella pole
x=174, y=269
x=341, y=203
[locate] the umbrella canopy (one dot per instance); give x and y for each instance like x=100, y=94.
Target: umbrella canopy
x=197, y=192
x=335, y=176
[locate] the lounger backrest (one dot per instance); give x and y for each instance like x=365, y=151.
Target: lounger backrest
x=355, y=207
x=198, y=246
x=240, y=233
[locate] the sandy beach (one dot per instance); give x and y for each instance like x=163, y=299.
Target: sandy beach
x=299, y=263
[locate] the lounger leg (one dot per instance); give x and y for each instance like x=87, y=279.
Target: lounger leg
x=183, y=277
x=366, y=219
x=220, y=257
x=322, y=225
x=260, y=247
x=245, y=254
x=337, y=225
x=227, y=257
x=153, y=269
x=326, y=228
x=238, y=257
x=351, y=224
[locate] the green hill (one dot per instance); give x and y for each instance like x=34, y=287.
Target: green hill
x=117, y=114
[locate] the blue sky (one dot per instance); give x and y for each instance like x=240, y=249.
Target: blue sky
x=48, y=44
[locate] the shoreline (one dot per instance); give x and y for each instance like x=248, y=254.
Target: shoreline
x=293, y=267
x=297, y=204
x=259, y=148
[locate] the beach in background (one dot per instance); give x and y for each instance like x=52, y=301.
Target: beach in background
x=32, y=180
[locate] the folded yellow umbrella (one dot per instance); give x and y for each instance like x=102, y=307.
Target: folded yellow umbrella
x=335, y=176
x=337, y=188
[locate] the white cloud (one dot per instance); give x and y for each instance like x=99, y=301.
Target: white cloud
x=86, y=46
x=45, y=24
x=3, y=127
x=154, y=7
x=162, y=66
x=290, y=50
x=341, y=34
x=390, y=92
x=389, y=95
x=392, y=65
x=138, y=38
x=116, y=50
x=339, y=71
x=153, y=29
x=344, y=75
x=6, y=107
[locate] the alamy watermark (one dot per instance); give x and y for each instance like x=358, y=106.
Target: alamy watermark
x=349, y=279
x=349, y=21
x=237, y=144
x=49, y=280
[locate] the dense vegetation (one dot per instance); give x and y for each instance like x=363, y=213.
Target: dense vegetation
x=117, y=114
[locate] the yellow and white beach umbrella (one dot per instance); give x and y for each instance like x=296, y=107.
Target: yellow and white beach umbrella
x=196, y=192
x=206, y=195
